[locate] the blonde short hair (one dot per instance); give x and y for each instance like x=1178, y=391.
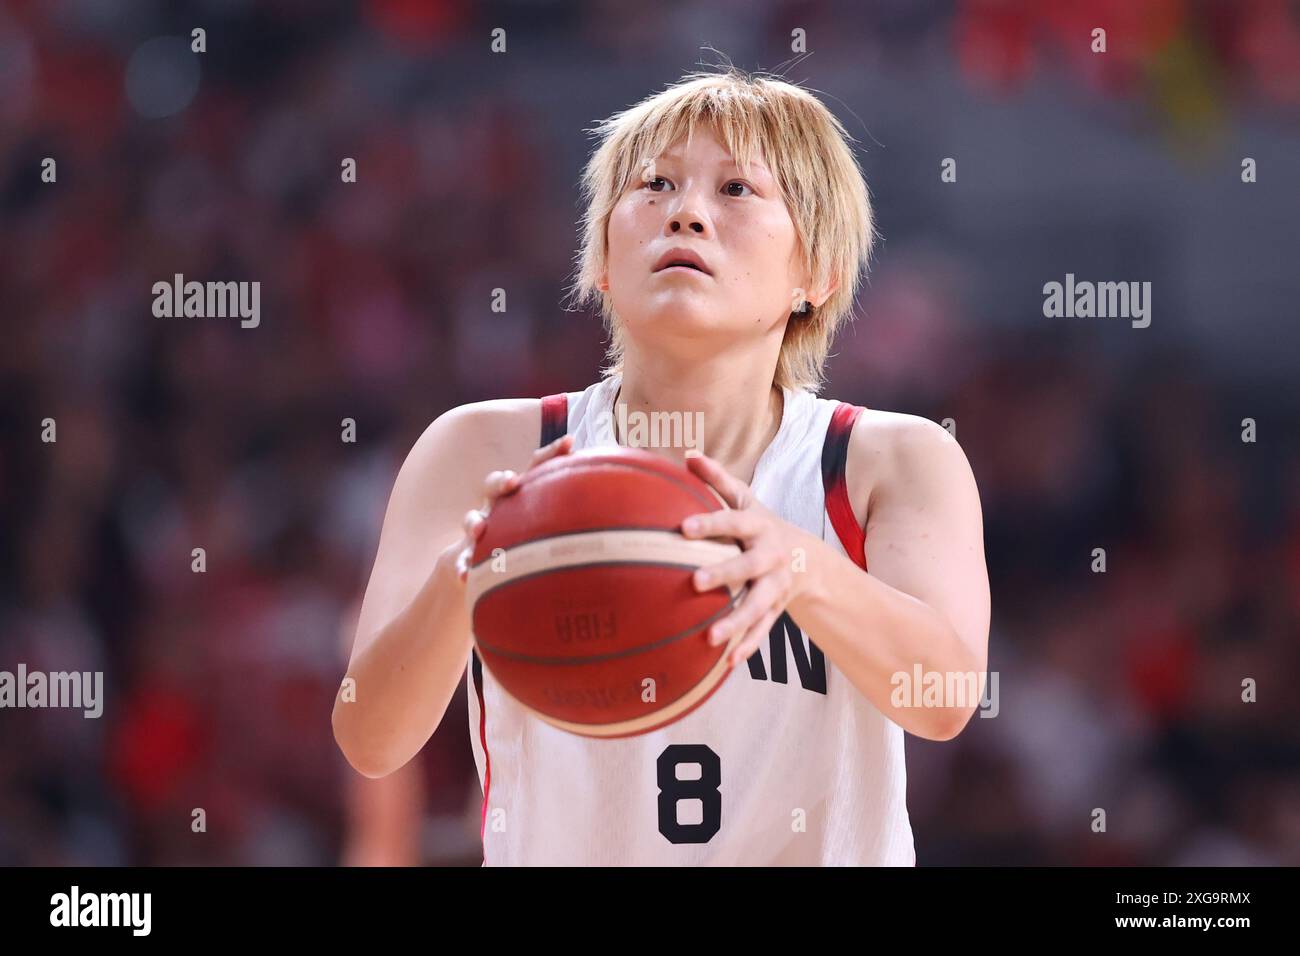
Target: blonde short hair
x=809, y=154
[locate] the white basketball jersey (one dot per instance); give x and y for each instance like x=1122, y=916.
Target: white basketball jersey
x=786, y=764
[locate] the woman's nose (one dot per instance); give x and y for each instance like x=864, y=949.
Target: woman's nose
x=689, y=215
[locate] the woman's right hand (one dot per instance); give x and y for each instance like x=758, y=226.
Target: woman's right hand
x=495, y=485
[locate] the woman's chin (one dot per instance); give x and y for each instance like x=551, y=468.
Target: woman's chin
x=684, y=319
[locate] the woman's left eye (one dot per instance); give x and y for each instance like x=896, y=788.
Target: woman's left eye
x=737, y=182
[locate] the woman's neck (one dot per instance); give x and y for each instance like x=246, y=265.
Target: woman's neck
x=732, y=418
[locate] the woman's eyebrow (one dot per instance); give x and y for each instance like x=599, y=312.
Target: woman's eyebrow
x=756, y=165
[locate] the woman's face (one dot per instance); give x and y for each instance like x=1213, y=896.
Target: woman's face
x=737, y=226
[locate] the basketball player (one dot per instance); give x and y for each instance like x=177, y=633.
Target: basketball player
x=726, y=229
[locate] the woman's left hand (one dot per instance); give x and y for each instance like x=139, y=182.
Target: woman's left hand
x=766, y=562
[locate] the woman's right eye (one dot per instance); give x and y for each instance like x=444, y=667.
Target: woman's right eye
x=657, y=179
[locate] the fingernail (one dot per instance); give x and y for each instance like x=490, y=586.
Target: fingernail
x=703, y=579
x=691, y=525
x=720, y=632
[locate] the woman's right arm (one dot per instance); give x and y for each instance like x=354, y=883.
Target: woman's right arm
x=413, y=633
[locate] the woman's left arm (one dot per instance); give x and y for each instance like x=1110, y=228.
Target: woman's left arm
x=923, y=608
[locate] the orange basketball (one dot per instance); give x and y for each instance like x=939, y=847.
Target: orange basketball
x=581, y=595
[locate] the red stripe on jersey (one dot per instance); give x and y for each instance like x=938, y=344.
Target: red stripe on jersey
x=555, y=418
x=835, y=456
x=476, y=667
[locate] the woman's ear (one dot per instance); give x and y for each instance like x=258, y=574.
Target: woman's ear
x=815, y=296
x=818, y=298
x=802, y=303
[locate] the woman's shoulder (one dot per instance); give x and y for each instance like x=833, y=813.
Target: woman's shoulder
x=492, y=434
x=512, y=424
x=494, y=416
x=894, y=450
x=878, y=432
x=898, y=431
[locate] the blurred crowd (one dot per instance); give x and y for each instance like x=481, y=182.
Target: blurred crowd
x=1120, y=690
